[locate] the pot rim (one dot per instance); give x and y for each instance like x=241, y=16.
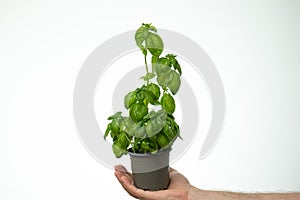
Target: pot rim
x=159, y=152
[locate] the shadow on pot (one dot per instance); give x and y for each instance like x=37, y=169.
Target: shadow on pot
x=151, y=171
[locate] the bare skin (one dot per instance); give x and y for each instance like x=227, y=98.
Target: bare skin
x=181, y=189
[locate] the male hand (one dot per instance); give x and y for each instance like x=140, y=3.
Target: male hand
x=178, y=189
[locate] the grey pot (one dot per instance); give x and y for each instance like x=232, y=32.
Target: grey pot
x=151, y=171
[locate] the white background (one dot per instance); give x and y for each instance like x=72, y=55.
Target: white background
x=254, y=45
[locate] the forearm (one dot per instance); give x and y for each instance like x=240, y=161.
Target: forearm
x=197, y=194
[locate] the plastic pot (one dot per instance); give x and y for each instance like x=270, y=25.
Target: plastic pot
x=151, y=171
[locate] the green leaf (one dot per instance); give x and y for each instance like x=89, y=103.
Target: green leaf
x=168, y=103
x=174, y=82
x=123, y=141
x=174, y=63
x=152, y=28
x=156, y=123
x=164, y=79
x=108, y=128
x=139, y=132
x=117, y=115
x=118, y=151
x=150, y=98
x=132, y=128
x=140, y=94
x=164, y=61
x=120, y=145
x=145, y=96
x=115, y=127
x=138, y=111
x=153, y=146
x=177, y=67
x=171, y=128
x=167, y=77
x=162, y=66
x=171, y=58
x=154, y=44
x=126, y=125
x=140, y=36
x=130, y=99
x=162, y=140
x=152, y=87
x=147, y=145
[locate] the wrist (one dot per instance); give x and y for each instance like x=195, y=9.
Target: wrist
x=194, y=193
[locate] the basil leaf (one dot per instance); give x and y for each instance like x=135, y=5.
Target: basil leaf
x=120, y=145
x=174, y=82
x=145, y=146
x=116, y=115
x=168, y=103
x=164, y=79
x=140, y=94
x=171, y=128
x=108, y=128
x=171, y=58
x=118, y=150
x=123, y=140
x=152, y=28
x=154, y=44
x=156, y=123
x=115, y=127
x=139, y=132
x=126, y=124
x=148, y=40
x=129, y=99
x=150, y=97
x=177, y=67
x=135, y=129
x=162, y=140
x=153, y=88
x=174, y=63
x=140, y=36
x=138, y=111
x=162, y=66
x=149, y=146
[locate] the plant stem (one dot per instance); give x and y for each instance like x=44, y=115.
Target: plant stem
x=146, y=68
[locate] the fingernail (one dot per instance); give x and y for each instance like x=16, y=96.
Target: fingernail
x=120, y=168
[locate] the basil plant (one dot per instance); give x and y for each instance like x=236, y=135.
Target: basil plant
x=145, y=130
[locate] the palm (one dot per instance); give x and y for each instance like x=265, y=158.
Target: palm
x=178, y=189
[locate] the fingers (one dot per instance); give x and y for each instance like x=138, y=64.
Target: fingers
x=120, y=168
x=141, y=194
x=125, y=179
x=172, y=169
x=127, y=182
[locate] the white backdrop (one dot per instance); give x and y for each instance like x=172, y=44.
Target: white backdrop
x=254, y=45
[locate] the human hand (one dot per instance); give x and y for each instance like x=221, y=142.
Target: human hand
x=178, y=189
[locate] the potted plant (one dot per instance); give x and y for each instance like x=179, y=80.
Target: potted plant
x=149, y=131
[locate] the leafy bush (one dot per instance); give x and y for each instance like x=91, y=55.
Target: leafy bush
x=146, y=130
